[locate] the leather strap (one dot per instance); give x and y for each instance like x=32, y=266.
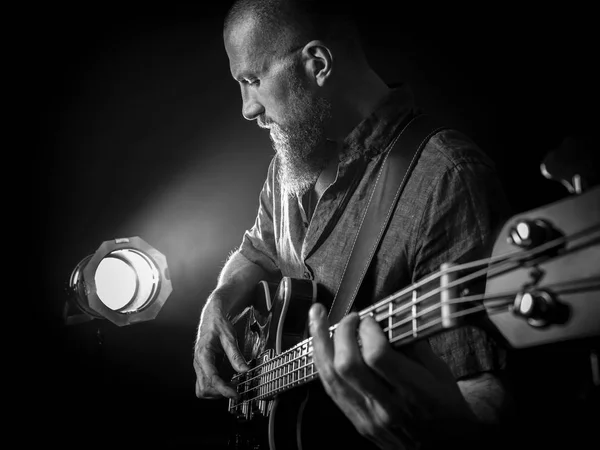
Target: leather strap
x=393, y=175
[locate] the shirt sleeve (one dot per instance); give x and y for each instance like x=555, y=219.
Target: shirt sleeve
x=460, y=222
x=259, y=243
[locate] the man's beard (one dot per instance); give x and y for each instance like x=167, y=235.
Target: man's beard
x=299, y=143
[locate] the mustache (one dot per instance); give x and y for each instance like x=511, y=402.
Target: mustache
x=263, y=122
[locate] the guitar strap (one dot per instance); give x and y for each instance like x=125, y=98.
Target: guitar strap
x=392, y=177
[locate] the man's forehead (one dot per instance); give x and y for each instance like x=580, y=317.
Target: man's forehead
x=241, y=31
x=245, y=45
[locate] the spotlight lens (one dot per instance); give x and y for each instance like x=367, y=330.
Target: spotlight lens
x=147, y=277
x=116, y=282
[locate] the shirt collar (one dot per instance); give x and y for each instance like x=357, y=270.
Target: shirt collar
x=373, y=134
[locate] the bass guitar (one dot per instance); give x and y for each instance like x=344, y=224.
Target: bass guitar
x=541, y=285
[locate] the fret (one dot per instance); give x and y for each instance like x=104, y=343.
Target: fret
x=296, y=364
x=266, y=378
x=278, y=375
x=290, y=365
x=381, y=313
x=295, y=367
x=309, y=358
x=267, y=375
x=287, y=369
x=286, y=372
x=274, y=374
x=390, y=320
x=447, y=308
x=290, y=368
x=282, y=371
x=272, y=370
x=304, y=358
x=414, y=313
x=271, y=375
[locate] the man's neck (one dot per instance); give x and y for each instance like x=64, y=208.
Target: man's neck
x=359, y=97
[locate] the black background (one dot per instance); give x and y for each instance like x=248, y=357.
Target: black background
x=140, y=134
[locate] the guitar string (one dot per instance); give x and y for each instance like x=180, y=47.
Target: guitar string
x=386, y=315
x=398, y=296
x=282, y=381
x=291, y=371
x=521, y=256
x=368, y=311
x=466, y=299
x=496, y=271
x=281, y=357
x=381, y=303
x=294, y=376
x=515, y=256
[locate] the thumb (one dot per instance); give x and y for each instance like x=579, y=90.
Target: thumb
x=233, y=352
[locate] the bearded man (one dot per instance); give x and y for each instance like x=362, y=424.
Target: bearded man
x=331, y=118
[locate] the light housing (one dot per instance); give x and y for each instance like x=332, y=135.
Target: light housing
x=125, y=281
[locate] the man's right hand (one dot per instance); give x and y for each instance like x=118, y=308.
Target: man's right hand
x=216, y=336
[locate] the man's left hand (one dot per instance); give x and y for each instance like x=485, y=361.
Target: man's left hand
x=395, y=398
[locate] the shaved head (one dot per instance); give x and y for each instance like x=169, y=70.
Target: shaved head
x=286, y=24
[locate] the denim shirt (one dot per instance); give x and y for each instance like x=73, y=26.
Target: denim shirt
x=451, y=208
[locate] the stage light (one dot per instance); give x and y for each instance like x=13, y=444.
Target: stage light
x=125, y=281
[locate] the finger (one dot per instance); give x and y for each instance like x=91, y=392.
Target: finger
x=232, y=350
x=393, y=366
x=215, y=392
x=348, y=400
x=322, y=344
x=371, y=405
x=208, y=382
x=319, y=330
x=349, y=363
x=206, y=394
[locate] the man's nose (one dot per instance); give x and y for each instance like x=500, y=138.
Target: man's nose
x=251, y=107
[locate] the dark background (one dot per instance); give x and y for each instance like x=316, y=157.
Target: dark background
x=141, y=134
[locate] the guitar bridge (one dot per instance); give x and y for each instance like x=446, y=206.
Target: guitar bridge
x=250, y=385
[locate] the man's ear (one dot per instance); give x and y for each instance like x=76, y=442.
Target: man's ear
x=318, y=61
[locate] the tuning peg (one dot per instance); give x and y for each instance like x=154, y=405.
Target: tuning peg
x=540, y=308
x=528, y=234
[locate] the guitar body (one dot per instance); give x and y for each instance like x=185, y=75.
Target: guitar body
x=294, y=419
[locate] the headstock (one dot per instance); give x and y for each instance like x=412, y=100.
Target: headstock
x=558, y=287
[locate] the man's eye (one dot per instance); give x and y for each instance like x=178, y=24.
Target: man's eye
x=253, y=82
